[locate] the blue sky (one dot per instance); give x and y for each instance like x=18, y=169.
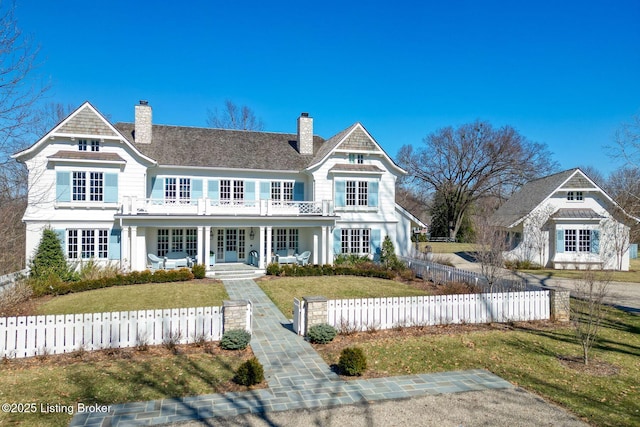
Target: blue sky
x=565, y=73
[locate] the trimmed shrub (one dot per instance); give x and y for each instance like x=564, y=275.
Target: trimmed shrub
x=322, y=333
x=352, y=361
x=273, y=269
x=199, y=271
x=249, y=373
x=235, y=339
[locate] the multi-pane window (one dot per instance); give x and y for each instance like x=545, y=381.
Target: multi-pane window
x=570, y=240
x=220, y=253
x=285, y=238
x=355, y=241
x=231, y=190
x=177, y=190
x=282, y=190
x=192, y=241
x=293, y=239
x=238, y=190
x=177, y=240
x=584, y=240
x=94, y=186
x=575, y=196
x=357, y=193
x=241, y=243
x=83, y=145
x=225, y=189
x=356, y=158
x=163, y=241
x=85, y=244
x=281, y=239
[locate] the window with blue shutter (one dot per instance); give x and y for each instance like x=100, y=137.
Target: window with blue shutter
x=559, y=241
x=373, y=194
x=340, y=197
x=114, y=243
x=337, y=241
x=61, y=233
x=111, y=188
x=196, y=190
x=265, y=190
x=213, y=190
x=298, y=191
x=63, y=186
x=595, y=241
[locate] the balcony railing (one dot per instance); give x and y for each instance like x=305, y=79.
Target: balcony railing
x=136, y=206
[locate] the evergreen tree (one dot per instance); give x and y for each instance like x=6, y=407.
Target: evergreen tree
x=49, y=258
x=388, y=256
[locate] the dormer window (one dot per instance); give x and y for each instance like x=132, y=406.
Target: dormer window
x=356, y=158
x=575, y=196
x=83, y=145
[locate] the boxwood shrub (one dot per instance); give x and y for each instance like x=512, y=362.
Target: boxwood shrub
x=366, y=270
x=249, y=373
x=235, y=339
x=321, y=334
x=352, y=361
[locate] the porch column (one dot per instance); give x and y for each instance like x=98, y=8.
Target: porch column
x=124, y=249
x=261, y=263
x=268, y=255
x=207, y=246
x=315, y=248
x=134, y=248
x=324, y=243
x=201, y=253
x=327, y=245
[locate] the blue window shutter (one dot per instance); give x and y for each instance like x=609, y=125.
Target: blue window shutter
x=375, y=244
x=61, y=233
x=250, y=191
x=63, y=186
x=157, y=188
x=373, y=194
x=265, y=190
x=213, y=190
x=111, y=188
x=298, y=191
x=337, y=241
x=559, y=241
x=595, y=241
x=114, y=243
x=196, y=189
x=341, y=198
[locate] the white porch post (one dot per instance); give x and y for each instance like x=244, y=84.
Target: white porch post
x=201, y=255
x=315, y=247
x=261, y=263
x=268, y=254
x=124, y=249
x=207, y=246
x=134, y=248
x=324, y=243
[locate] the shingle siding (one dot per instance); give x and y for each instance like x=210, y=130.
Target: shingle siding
x=86, y=122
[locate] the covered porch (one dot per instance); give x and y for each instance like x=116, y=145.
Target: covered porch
x=225, y=241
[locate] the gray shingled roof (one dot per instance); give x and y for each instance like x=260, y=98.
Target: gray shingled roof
x=349, y=167
x=330, y=144
x=584, y=213
x=86, y=155
x=204, y=147
x=530, y=195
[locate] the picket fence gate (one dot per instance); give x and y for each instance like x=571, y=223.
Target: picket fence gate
x=27, y=336
x=387, y=313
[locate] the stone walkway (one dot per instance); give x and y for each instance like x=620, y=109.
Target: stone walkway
x=297, y=378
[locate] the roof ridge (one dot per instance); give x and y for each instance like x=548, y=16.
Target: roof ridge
x=208, y=128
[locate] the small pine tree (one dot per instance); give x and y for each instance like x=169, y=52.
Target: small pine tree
x=49, y=258
x=388, y=256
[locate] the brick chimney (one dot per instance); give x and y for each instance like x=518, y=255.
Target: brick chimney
x=305, y=134
x=142, y=133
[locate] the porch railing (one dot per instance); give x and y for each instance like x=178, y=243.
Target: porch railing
x=137, y=206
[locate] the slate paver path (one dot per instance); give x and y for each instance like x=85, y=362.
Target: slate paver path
x=296, y=374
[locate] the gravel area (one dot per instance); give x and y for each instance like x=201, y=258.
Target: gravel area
x=495, y=408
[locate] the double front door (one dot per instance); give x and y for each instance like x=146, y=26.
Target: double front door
x=230, y=244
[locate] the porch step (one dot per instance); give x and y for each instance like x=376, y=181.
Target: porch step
x=235, y=274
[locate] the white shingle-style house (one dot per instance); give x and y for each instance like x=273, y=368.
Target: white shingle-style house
x=566, y=221
x=122, y=191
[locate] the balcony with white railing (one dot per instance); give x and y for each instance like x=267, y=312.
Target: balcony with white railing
x=136, y=206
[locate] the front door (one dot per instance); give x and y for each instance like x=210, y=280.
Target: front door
x=230, y=245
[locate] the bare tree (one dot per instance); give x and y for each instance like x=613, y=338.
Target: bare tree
x=234, y=117
x=587, y=309
x=474, y=161
x=623, y=186
x=627, y=142
x=536, y=232
x=491, y=242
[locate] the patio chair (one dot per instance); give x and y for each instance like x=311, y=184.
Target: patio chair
x=156, y=262
x=303, y=258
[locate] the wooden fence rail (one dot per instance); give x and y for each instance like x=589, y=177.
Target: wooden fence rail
x=386, y=313
x=27, y=336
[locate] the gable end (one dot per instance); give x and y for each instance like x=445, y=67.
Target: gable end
x=358, y=141
x=86, y=122
x=578, y=181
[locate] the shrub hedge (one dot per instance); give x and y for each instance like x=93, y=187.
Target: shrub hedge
x=57, y=287
x=369, y=269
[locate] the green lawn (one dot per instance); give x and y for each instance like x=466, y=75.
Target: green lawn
x=633, y=275
x=195, y=293
x=443, y=247
x=282, y=290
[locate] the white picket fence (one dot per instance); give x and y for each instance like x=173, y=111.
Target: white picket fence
x=386, y=313
x=38, y=335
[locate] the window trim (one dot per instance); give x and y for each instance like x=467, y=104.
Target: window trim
x=93, y=242
x=355, y=241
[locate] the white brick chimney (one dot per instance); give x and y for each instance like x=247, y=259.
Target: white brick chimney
x=142, y=133
x=305, y=134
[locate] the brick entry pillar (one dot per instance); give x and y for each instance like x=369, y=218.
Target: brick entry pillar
x=560, y=305
x=316, y=311
x=236, y=315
